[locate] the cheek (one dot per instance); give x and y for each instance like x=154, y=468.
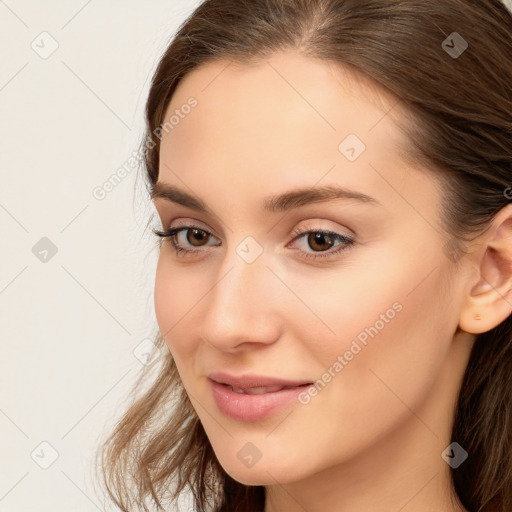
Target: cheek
x=163, y=297
x=382, y=380
x=178, y=293
x=173, y=297
x=390, y=321
x=378, y=283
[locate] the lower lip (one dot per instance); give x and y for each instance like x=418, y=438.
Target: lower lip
x=245, y=407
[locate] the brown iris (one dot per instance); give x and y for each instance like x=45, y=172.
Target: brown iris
x=320, y=241
x=196, y=235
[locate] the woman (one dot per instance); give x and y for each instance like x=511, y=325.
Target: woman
x=332, y=179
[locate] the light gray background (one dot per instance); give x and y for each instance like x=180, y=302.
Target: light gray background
x=69, y=325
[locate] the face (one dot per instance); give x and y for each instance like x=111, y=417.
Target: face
x=349, y=292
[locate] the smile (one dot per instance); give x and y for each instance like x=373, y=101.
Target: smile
x=256, y=403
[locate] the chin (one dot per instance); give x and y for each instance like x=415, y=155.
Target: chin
x=261, y=473
x=253, y=476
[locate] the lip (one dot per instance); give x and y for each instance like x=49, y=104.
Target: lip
x=252, y=380
x=247, y=407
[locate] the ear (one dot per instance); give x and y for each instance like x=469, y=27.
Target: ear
x=488, y=297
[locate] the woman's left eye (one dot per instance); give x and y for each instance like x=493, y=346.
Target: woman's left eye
x=319, y=241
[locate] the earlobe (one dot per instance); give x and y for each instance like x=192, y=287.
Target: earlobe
x=488, y=301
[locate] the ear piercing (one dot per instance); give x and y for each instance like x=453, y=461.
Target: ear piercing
x=478, y=317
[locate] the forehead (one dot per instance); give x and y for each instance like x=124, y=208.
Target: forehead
x=282, y=120
x=284, y=95
x=290, y=67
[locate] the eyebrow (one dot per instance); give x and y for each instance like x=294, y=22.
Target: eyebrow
x=277, y=203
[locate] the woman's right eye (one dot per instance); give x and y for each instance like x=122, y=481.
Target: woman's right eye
x=184, y=237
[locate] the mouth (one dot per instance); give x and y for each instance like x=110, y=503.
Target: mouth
x=252, y=383
x=255, y=403
x=259, y=390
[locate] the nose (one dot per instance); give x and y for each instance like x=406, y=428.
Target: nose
x=242, y=308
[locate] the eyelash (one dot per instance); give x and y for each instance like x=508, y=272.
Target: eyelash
x=297, y=233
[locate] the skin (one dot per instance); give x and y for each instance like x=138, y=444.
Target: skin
x=371, y=440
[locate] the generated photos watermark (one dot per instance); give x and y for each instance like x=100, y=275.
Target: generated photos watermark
x=354, y=349
x=133, y=161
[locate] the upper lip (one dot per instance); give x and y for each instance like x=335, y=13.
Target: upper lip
x=252, y=380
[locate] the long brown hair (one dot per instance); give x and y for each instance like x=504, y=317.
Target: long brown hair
x=460, y=125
